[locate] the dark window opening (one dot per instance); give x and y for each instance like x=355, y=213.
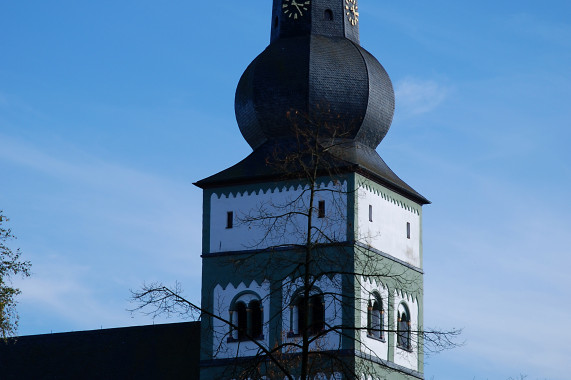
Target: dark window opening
x=321, y=210
x=230, y=219
x=310, y=316
x=242, y=322
x=403, y=330
x=256, y=318
x=328, y=15
x=408, y=230
x=301, y=315
x=318, y=314
x=370, y=213
x=276, y=21
x=375, y=321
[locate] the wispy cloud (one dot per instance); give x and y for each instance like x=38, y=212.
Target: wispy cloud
x=61, y=292
x=496, y=265
x=111, y=228
x=416, y=96
x=505, y=283
x=59, y=289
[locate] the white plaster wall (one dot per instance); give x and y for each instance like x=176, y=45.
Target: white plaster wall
x=402, y=357
x=269, y=231
x=370, y=346
x=221, y=330
x=387, y=231
x=331, y=289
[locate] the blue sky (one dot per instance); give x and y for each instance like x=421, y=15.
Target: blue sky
x=109, y=110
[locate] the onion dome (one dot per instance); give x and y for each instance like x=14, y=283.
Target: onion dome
x=315, y=67
x=332, y=81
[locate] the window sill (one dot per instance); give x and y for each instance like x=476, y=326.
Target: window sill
x=376, y=338
x=407, y=349
x=234, y=340
x=291, y=334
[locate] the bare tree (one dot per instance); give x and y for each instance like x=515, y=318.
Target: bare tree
x=10, y=265
x=301, y=247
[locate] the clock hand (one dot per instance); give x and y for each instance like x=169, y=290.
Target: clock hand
x=298, y=8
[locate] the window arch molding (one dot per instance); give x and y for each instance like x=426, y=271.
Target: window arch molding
x=246, y=317
x=314, y=315
x=404, y=327
x=245, y=296
x=375, y=316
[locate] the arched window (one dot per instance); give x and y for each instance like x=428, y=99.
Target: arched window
x=403, y=327
x=375, y=317
x=308, y=315
x=246, y=318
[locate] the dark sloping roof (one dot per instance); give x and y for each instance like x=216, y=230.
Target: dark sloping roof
x=267, y=164
x=169, y=351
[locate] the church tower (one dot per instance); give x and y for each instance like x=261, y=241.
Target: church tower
x=312, y=245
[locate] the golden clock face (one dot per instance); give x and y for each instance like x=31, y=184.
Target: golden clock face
x=295, y=9
x=352, y=11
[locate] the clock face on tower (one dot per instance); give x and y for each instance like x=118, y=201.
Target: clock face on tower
x=295, y=9
x=352, y=11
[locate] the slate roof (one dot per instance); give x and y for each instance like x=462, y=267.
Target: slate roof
x=166, y=351
x=266, y=163
x=332, y=81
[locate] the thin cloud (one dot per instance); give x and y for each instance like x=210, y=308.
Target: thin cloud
x=111, y=228
x=115, y=194
x=508, y=300
x=416, y=96
x=497, y=268
x=60, y=289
